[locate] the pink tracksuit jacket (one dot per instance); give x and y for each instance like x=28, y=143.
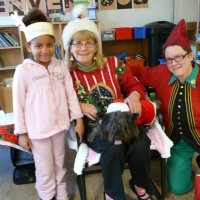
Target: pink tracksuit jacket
x=44, y=100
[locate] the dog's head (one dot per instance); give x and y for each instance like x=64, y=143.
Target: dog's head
x=117, y=123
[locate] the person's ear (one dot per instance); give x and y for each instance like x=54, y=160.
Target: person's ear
x=191, y=55
x=70, y=48
x=27, y=44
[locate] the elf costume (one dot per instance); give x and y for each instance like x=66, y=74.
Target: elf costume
x=179, y=106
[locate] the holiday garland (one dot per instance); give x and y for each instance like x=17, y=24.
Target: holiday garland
x=84, y=97
x=120, y=69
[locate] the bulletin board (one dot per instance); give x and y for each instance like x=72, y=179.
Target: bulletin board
x=7, y=7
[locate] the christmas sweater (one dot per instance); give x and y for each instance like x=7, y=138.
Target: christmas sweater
x=101, y=87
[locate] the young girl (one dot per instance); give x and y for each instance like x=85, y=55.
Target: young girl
x=44, y=103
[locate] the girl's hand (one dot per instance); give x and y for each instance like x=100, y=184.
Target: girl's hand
x=79, y=128
x=133, y=101
x=89, y=110
x=24, y=141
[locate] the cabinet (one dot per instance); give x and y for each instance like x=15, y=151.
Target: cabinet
x=131, y=47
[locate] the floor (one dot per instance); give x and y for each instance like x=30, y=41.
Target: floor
x=10, y=191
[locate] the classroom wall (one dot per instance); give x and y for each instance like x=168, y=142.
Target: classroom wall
x=158, y=10
x=187, y=9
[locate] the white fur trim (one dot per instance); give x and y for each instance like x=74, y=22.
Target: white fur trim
x=81, y=158
x=80, y=11
x=160, y=141
x=118, y=106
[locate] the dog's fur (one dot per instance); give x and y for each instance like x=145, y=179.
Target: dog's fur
x=116, y=125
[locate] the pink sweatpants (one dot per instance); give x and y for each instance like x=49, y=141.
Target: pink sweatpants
x=49, y=157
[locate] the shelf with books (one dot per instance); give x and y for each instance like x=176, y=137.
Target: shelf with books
x=11, y=50
x=11, y=54
x=8, y=40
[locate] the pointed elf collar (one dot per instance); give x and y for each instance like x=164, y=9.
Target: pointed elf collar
x=191, y=79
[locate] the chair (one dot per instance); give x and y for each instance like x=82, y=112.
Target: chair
x=160, y=195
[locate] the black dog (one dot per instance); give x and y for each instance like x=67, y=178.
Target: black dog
x=116, y=126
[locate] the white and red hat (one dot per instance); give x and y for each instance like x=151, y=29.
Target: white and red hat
x=81, y=22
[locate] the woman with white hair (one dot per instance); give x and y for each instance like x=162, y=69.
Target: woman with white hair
x=98, y=81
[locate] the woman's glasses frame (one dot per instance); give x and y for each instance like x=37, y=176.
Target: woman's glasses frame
x=88, y=44
x=177, y=58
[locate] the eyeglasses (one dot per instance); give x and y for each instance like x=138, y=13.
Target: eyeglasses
x=79, y=45
x=178, y=58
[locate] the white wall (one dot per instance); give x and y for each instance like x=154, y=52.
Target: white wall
x=187, y=9
x=159, y=10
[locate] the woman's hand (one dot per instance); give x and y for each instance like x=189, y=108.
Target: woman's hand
x=79, y=128
x=24, y=141
x=89, y=110
x=133, y=101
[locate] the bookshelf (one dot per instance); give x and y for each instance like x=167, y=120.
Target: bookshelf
x=10, y=56
x=131, y=47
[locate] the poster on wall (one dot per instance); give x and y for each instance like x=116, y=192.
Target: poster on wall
x=7, y=7
x=88, y=3
x=108, y=5
x=17, y=5
x=54, y=6
x=3, y=8
x=140, y=3
x=36, y=4
x=124, y=4
x=67, y=5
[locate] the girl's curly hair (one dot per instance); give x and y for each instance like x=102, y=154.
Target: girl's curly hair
x=33, y=16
